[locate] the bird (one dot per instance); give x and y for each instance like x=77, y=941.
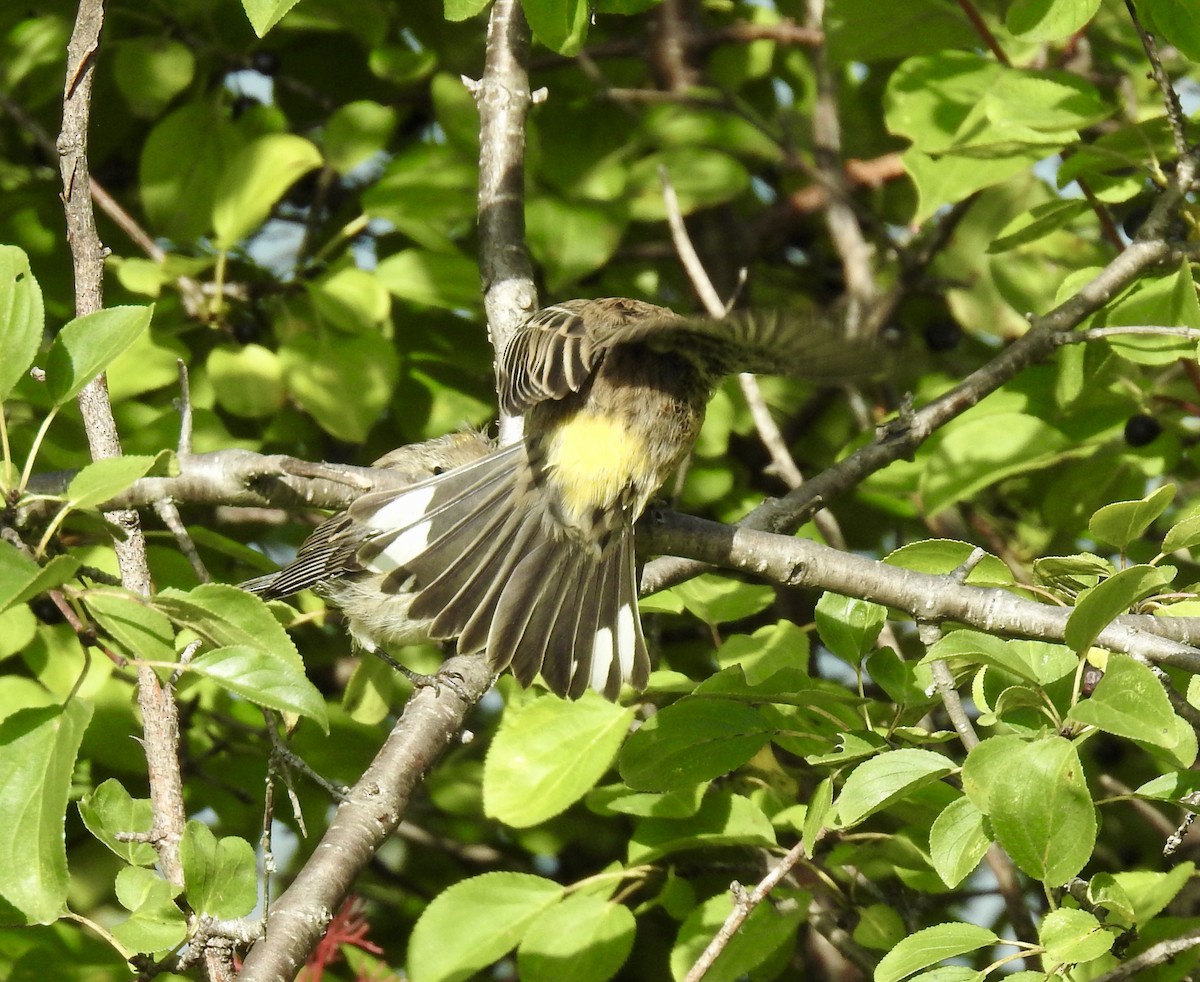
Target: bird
x=528, y=551
x=327, y=561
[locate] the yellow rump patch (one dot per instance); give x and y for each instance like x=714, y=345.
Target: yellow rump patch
x=594, y=459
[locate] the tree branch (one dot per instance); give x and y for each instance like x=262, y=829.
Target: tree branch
x=160, y=718
x=503, y=98
x=928, y=598
x=369, y=816
x=901, y=440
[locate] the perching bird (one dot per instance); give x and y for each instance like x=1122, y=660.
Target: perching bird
x=327, y=561
x=528, y=552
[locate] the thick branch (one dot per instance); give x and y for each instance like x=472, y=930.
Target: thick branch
x=504, y=99
x=364, y=821
x=928, y=598
x=902, y=440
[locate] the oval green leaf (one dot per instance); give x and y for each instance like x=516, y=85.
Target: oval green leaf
x=548, y=754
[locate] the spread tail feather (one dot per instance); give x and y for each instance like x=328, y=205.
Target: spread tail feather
x=493, y=569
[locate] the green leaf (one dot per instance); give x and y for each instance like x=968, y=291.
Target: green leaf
x=356, y=132
x=984, y=762
x=1178, y=22
x=1165, y=300
x=109, y=810
x=487, y=916
x=1040, y=809
x=226, y=615
x=1122, y=522
x=1049, y=20
x=849, y=626
x=981, y=450
x=1039, y=662
x=428, y=193
x=320, y=369
x=257, y=675
x=769, y=928
x=722, y=600
x=866, y=30
x=886, y=779
x=220, y=876
x=880, y=927
x=182, y=160
x=723, y=819
x=17, y=574
x=941, y=556
x=585, y=938
x=435, y=279
x=691, y=741
x=1105, y=893
x=958, y=840
x=1129, y=702
x=1098, y=605
x=37, y=756
x=1182, y=535
x=89, y=344
x=21, y=579
x=560, y=25
x=22, y=317
x=151, y=71
x=1149, y=892
x=571, y=239
x=701, y=177
x=816, y=818
x=247, y=382
x=548, y=754
x=458, y=10
x=1071, y=936
x=106, y=478
x=265, y=14
x=1037, y=223
x=254, y=181
x=930, y=946
x=905, y=682
x=156, y=923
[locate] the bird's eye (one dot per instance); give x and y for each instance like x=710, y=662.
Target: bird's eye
x=438, y=469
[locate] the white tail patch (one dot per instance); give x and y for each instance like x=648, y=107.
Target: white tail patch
x=626, y=639
x=602, y=656
x=406, y=510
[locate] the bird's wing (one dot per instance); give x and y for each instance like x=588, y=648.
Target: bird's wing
x=807, y=344
x=552, y=354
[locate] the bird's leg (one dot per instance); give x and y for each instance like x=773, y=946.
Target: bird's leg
x=451, y=680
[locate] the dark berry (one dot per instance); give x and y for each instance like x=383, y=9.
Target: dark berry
x=942, y=335
x=1141, y=430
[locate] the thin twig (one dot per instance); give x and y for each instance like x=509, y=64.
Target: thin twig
x=1170, y=97
x=743, y=906
x=844, y=230
x=768, y=430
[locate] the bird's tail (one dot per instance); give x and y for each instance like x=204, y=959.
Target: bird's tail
x=491, y=568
